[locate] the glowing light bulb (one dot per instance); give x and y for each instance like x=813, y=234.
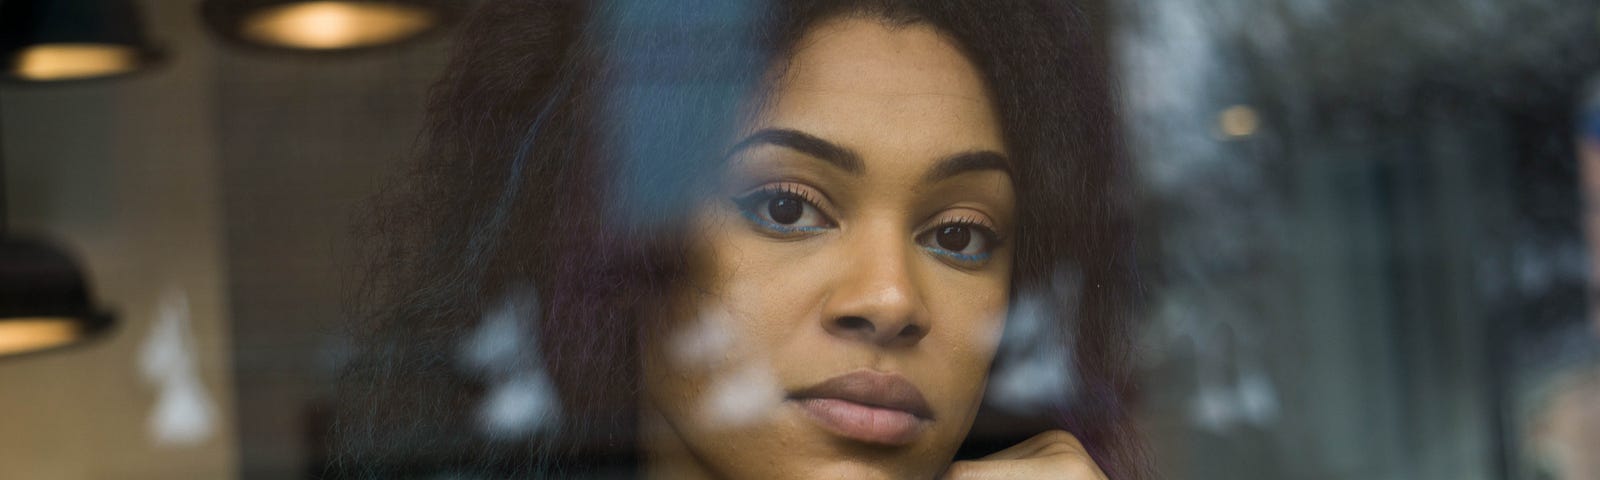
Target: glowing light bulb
x=71, y=61
x=38, y=333
x=1238, y=121
x=331, y=25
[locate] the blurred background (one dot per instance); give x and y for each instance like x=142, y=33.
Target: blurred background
x=1364, y=229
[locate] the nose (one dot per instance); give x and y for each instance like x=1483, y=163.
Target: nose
x=875, y=298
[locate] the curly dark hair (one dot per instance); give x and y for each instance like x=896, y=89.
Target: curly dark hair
x=547, y=163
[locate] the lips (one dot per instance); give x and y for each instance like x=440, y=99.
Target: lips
x=867, y=406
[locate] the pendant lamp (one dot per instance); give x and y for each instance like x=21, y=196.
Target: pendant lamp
x=44, y=302
x=64, y=40
x=326, y=25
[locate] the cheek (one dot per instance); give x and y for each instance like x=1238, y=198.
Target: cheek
x=703, y=374
x=968, y=342
x=716, y=363
x=761, y=282
x=962, y=345
x=970, y=306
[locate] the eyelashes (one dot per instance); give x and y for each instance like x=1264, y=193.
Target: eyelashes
x=783, y=209
x=963, y=239
x=789, y=211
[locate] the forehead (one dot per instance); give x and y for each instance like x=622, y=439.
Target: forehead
x=889, y=92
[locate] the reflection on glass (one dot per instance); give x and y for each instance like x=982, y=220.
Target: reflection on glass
x=335, y=25
x=37, y=333
x=72, y=61
x=1238, y=121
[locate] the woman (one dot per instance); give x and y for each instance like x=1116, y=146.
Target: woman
x=767, y=239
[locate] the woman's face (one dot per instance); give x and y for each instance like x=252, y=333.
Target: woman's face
x=854, y=271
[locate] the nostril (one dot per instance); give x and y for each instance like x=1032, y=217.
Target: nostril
x=911, y=331
x=856, y=323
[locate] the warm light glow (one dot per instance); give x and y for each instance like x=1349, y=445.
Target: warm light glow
x=335, y=25
x=1238, y=121
x=21, y=335
x=72, y=61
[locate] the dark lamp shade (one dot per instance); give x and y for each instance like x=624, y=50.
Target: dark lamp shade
x=325, y=25
x=44, y=303
x=60, y=40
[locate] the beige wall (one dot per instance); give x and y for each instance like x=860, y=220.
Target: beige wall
x=124, y=174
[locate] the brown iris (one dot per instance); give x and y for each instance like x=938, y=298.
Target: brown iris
x=954, y=238
x=785, y=210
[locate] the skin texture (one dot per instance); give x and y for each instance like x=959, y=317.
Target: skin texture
x=860, y=281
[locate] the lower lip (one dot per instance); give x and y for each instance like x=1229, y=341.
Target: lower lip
x=863, y=423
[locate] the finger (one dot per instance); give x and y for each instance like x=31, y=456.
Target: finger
x=1059, y=466
x=1025, y=448
x=1053, y=440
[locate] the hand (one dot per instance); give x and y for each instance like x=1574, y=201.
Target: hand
x=1054, y=454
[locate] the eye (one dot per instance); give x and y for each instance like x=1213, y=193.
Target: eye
x=963, y=240
x=782, y=209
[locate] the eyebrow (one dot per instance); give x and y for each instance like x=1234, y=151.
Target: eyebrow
x=973, y=161
x=804, y=143
x=847, y=160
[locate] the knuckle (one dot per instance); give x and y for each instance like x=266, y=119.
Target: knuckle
x=1058, y=436
x=1069, y=456
x=1058, y=449
x=1067, y=468
x=1080, y=467
x=961, y=470
x=1061, y=441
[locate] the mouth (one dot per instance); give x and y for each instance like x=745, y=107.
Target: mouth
x=867, y=406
